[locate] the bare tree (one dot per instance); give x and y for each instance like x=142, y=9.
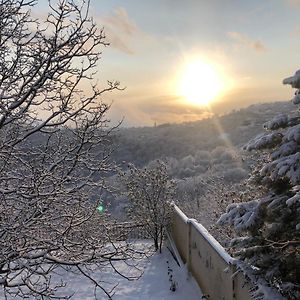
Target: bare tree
x=150, y=192
x=54, y=147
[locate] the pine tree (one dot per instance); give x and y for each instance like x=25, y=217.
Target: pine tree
x=270, y=226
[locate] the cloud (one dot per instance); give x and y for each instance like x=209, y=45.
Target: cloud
x=243, y=40
x=170, y=109
x=293, y=2
x=120, y=30
x=156, y=110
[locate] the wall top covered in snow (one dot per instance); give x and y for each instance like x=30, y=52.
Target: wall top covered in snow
x=206, y=235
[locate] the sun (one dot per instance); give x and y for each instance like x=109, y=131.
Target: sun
x=200, y=82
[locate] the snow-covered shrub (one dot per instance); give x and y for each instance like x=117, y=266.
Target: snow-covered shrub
x=149, y=191
x=203, y=157
x=235, y=175
x=271, y=225
x=223, y=154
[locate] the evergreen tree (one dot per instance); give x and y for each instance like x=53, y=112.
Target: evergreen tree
x=270, y=226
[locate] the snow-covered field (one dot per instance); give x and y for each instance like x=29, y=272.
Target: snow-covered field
x=154, y=283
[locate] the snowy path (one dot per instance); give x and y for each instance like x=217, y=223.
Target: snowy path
x=153, y=285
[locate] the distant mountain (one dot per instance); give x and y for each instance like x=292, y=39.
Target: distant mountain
x=144, y=144
x=199, y=154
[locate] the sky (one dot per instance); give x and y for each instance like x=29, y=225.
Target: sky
x=253, y=45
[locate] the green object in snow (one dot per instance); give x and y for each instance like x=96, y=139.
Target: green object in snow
x=100, y=208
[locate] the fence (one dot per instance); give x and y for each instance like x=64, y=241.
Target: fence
x=208, y=262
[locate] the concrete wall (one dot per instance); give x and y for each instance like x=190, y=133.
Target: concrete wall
x=179, y=233
x=207, y=260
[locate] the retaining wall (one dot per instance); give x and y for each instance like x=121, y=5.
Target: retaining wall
x=207, y=260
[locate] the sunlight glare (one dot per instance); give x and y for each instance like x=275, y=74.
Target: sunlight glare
x=200, y=83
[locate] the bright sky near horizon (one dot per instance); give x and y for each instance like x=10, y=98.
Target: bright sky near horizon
x=250, y=46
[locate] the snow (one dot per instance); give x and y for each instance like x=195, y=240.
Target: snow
x=203, y=232
x=294, y=80
x=296, y=99
x=277, y=122
x=243, y=215
x=293, y=134
x=213, y=242
x=287, y=167
x=264, y=141
x=293, y=200
x=264, y=290
x=181, y=214
x=285, y=149
x=154, y=283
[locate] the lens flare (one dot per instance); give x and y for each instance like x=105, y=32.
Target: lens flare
x=100, y=208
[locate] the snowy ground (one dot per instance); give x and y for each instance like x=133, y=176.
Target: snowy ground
x=154, y=283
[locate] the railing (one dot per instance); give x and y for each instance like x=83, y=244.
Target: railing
x=207, y=260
